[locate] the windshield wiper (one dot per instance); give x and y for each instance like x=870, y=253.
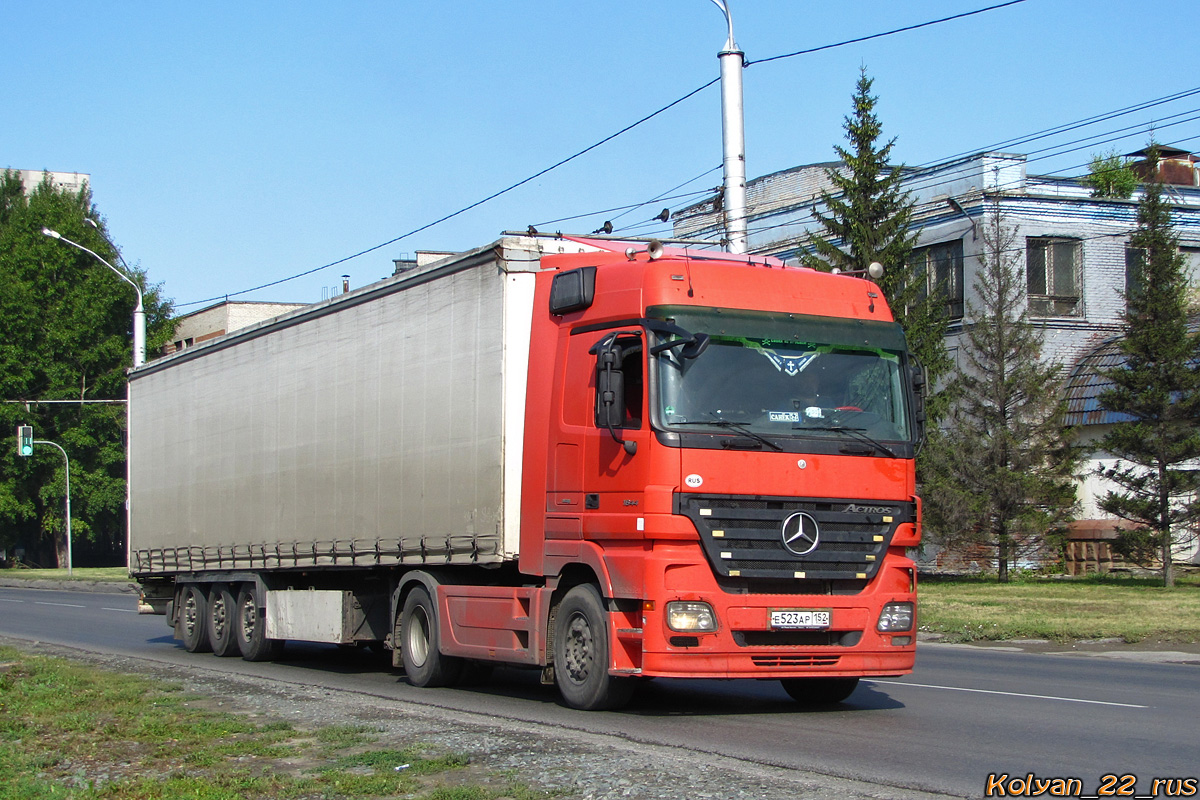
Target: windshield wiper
x=736, y=426
x=857, y=433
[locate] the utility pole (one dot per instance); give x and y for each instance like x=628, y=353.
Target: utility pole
x=733, y=129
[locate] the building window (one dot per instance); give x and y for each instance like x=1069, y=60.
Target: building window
x=1052, y=274
x=1135, y=258
x=940, y=268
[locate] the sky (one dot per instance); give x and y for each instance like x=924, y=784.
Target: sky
x=235, y=144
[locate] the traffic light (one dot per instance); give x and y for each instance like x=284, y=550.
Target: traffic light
x=25, y=440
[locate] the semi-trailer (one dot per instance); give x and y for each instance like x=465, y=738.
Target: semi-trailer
x=604, y=460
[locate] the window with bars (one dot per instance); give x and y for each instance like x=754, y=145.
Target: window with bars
x=940, y=268
x=1052, y=273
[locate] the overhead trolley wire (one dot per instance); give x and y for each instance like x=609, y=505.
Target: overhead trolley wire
x=592, y=147
x=464, y=209
x=885, y=33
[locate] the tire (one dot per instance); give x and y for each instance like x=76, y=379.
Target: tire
x=250, y=627
x=191, y=626
x=582, y=654
x=819, y=691
x=222, y=621
x=419, y=637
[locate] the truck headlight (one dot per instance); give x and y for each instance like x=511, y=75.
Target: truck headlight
x=686, y=616
x=895, y=617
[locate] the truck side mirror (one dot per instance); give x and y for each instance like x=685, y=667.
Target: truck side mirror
x=610, y=389
x=919, y=385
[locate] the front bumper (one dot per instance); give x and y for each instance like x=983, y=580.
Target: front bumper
x=746, y=646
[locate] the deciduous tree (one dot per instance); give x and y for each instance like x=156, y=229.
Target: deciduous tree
x=67, y=323
x=1110, y=177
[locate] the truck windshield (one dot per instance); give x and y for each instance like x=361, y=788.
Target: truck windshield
x=785, y=376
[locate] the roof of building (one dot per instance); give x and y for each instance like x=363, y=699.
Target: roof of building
x=1087, y=383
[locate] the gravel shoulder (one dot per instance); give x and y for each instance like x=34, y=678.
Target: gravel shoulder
x=563, y=762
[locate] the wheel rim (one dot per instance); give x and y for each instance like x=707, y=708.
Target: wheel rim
x=249, y=617
x=220, y=616
x=190, y=613
x=417, y=638
x=579, y=652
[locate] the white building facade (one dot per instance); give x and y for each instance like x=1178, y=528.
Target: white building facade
x=1074, y=248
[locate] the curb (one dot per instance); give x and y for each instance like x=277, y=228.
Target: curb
x=106, y=587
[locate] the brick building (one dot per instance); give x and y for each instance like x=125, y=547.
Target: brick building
x=1076, y=252
x=221, y=318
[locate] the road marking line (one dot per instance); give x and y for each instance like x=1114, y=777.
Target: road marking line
x=122, y=610
x=1013, y=694
x=8, y=600
x=63, y=605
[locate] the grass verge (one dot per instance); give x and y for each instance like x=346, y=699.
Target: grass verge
x=1130, y=609
x=114, y=574
x=72, y=731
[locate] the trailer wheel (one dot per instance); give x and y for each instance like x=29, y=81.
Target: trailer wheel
x=819, y=691
x=581, y=653
x=192, y=624
x=423, y=663
x=251, y=628
x=222, y=621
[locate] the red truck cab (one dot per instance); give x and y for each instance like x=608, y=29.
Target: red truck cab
x=719, y=453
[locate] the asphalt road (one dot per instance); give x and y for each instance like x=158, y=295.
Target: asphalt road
x=964, y=714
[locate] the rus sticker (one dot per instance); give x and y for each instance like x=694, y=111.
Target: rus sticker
x=694, y=481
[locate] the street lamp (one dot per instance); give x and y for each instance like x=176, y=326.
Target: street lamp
x=139, y=314
x=733, y=129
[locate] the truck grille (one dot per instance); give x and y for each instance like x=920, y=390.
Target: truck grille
x=794, y=538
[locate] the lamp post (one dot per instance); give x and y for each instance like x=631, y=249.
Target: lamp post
x=139, y=314
x=733, y=129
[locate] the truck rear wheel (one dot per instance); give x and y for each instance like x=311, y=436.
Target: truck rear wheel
x=419, y=636
x=221, y=621
x=191, y=626
x=819, y=691
x=251, y=628
x=582, y=656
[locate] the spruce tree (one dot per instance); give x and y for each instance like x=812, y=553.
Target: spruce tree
x=1003, y=472
x=1157, y=391
x=868, y=218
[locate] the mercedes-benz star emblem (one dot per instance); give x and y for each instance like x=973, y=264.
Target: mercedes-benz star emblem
x=800, y=533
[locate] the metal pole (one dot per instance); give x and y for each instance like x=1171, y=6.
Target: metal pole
x=733, y=129
x=139, y=314
x=67, y=462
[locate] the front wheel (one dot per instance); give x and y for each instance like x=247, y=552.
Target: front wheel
x=423, y=663
x=819, y=691
x=582, y=655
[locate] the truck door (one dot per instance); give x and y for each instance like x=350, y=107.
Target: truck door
x=600, y=448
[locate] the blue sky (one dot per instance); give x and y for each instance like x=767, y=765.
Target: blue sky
x=232, y=144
